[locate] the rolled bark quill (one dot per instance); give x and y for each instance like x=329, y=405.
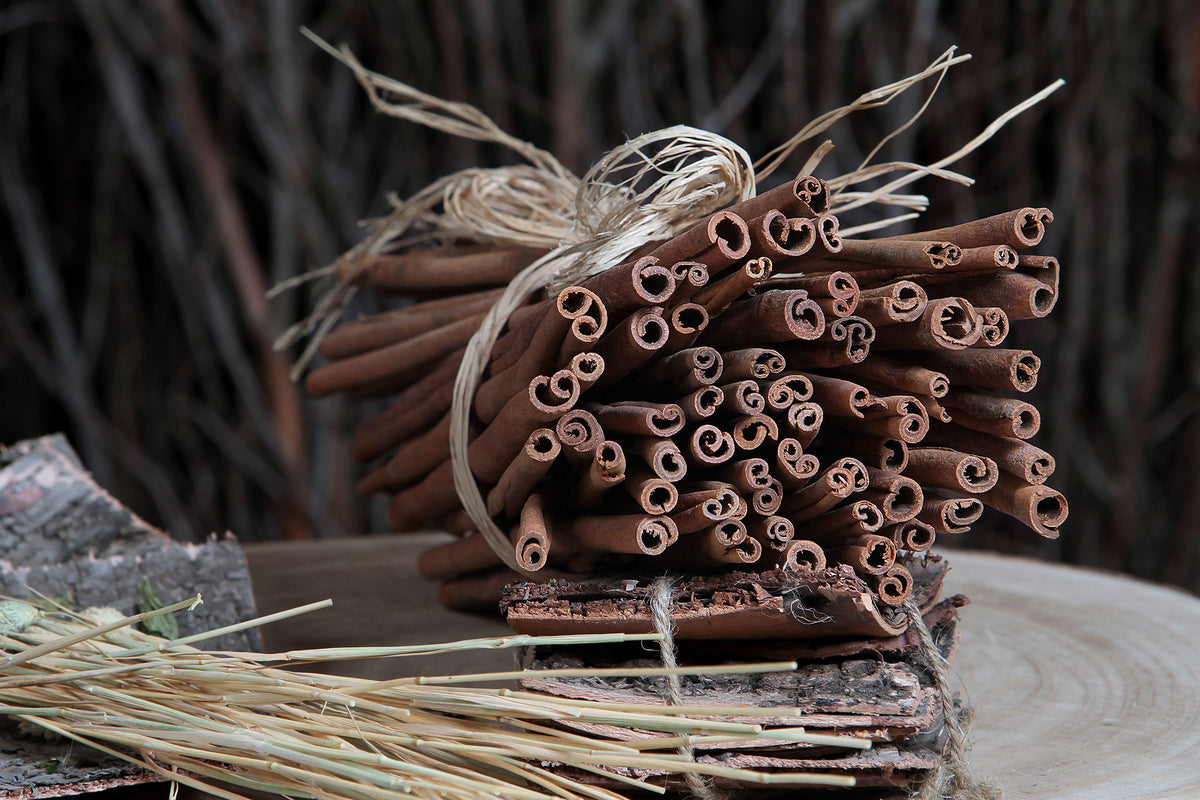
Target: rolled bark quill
x=752, y=431
x=631, y=343
x=827, y=229
x=773, y=316
x=826, y=490
x=802, y=554
x=742, y=397
x=1044, y=268
x=414, y=409
x=390, y=364
x=900, y=375
x=909, y=428
x=718, y=296
x=901, y=416
x=663, y=456
x=575, y=310
x=804, y=421
x=988, y=369
x=361, y=336
x=836, y=292
x=693, y=515
x=702, y=403
x=587, y=369
x=606, y=471
x=754, y=363
x=531, y=540
x=633, y=285
x=710, y=445
x=546, y=399
x=689, y=276
x=725, y=542
x=641, y=419
x=849, y=520
x=459, y=557
x=773, y=532
x=933, y=408
x=775, y=236
x=804, y=197
x=724, y=495
x=579, y=434
x=717, y=242
x=868, y=554
x=529, y=466
x=902, y=301
x=1038, y=506
x=1021, y=296
x=983, y=411
x=898, y=497
x=841, y=397
x=794, y=467
x=413, y=459
x=946, y=468
x=888, y=453
x=948, y=323
x=628, y=533
x=894, y=585
x=846, y=341
x=687, y=370
x=765, y=502
x=437, y=268
x=787, y=390
x=687, y=321
x=746, y=475
x=994, y=326
x=900, y=255
x=946, y=515
x=1019, y=229
x=912, y=535
x=1030, y=463
x=988, y=258
x=972, y=261
x=654, y=495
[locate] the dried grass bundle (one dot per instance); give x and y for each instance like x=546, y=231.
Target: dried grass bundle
x=214, y=720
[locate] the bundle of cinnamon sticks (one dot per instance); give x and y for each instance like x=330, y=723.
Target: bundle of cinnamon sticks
x=757, y=392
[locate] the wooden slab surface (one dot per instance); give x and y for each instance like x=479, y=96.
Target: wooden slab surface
x=1086, y=685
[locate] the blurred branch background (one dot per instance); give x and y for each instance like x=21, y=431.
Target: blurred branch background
x=162, y=163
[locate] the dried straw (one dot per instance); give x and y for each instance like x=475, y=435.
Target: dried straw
x=220, y=720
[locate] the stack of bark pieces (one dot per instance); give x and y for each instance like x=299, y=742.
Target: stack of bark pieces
x=757, y=392
x=861, y=675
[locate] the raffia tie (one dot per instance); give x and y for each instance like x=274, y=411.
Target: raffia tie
x=660, y=613
x=951, y=778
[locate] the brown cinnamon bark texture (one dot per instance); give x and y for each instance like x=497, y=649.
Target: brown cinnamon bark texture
x=756, y=383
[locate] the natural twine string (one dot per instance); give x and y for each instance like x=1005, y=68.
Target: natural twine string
x=951, y=778
x=660, y=613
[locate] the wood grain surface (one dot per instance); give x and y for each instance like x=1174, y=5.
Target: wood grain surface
x=1086, y=685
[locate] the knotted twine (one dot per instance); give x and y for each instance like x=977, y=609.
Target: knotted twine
x=951, y=778
x=660, y=613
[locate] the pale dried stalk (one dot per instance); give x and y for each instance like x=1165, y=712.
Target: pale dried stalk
x=198, y=716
